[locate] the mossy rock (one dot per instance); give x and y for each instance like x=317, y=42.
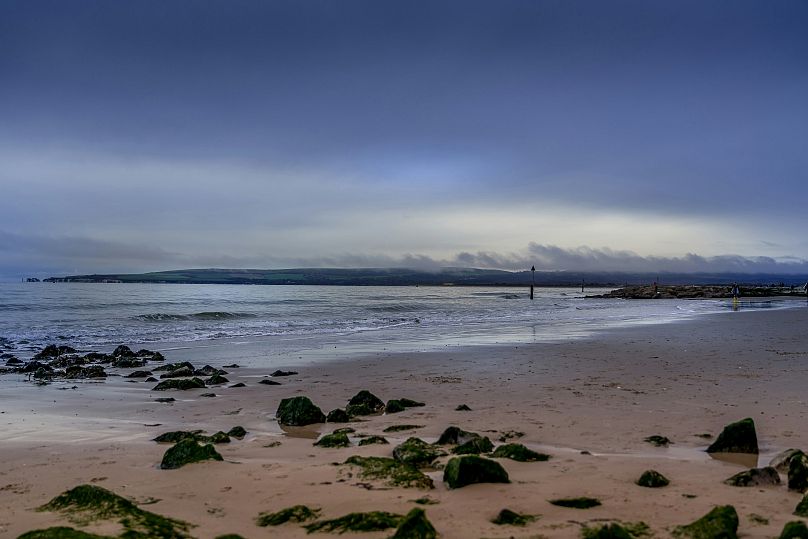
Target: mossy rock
x=657, y=440
x=90, y=503
x=139, y=374
x=186, y=452
x=754, y=478
x=175, y=436
x=399, y=428
x=802, y=508
x=61, y=532
x=455, y=436
x=183, y=384
x=471, y=469
x=391, y=471
x=354, y=410
x=782, y=460
x=179, y=373
x=216, y=438
x=653, y=479
x=357, y=522
x=339, y=439
x=337, y=415
x=367, y=398
x=394, y=407
x=216, y=380
x=462, y=408
x=174, y=366
x=416, y=452
x=581, y=502
x=794, y=530
x=229, y=536
x=296, y=513
x=475, y=446
x=798, y=472
x=237, y=432
x=299, y=412
x=519, y=453
x=344, y=430
x=720, y=523
x=370, y=440
x=738, y=437
x=506, y=517
x=415, y=526
x=409, y=403
x=612, y=530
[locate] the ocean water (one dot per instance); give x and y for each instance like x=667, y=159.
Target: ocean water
x=291, y=319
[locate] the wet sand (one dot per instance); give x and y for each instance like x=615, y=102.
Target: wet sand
x=601, y=395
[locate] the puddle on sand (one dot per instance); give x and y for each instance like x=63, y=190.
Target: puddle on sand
x=748, y=460
x=310, y=432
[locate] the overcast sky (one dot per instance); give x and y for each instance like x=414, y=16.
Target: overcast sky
x=580, y=135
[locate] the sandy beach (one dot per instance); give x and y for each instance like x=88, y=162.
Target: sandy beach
x=589, y=403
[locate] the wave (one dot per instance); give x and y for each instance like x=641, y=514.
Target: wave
x=206, y=315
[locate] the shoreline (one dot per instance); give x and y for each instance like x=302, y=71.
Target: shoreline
x=603, y=394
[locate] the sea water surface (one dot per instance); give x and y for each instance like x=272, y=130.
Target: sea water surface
x=291, y=320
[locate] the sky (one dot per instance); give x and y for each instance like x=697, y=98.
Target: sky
x=570, y=135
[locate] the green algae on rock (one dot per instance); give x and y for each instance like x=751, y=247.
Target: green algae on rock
x=519, y=453
x=393, y=472
x=782, y=460
x=399, y=428
x=653, y=479
x=338, y=415
x=394, y=407
x=754, y=477
x=616, y=530
x=471, y=469
x=370, y=440
x=89, y=503
x=721, y=522
x=296, y=513
x=186, y=452
x=581, y=502
x=357, y=522
x=798, y=472
x=475, y=446
x=415, y=526
x=336, y=439
x=416, y=452
x=182, y=384
x=657, y=440
x=61, y=532
x=237, y=432
x=738, y=437
x=455, y=435
x=299, y=412
x=802, y=508
x=794, y=530
x=506, y=517
x=177, y=436
x=364, y=403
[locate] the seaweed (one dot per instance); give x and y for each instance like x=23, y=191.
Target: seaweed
x=720, y=522
x=370, y=440
x=617, y=530
x=581, y=502
x=506, y=517
x=394, y=473
x=357, y=522
x=296, y=513
x=519, y=453
x=337, y=439
x=61, y=532
x=399, y=428
x=415, y=526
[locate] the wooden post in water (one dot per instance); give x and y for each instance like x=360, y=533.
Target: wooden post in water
x=532, y=280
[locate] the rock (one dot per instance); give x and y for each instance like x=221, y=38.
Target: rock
x=208, y=395
x=393, y=472
x=370, y=440
x=216, y=380
x=298, y=411
x=344, y=430
x=123, y=351
x=519, y=453
x=174, y=366
x=186, y=452
x=296, y=513
x=415, y=526
x=506, y=517
x=45, y=373
x=783, y=459
x=399, y=428
x=409, y=403
x=207, y=370
x=334, y=440
x=794, y=530
x=240, y=384
x=367, y=399
x=475, y=446
x=268, y=382
x=416, y=452
x=93, y=371
x=739, y=437
x=455, y=435
x=612, y=530
x=232, y=366
x=217, y=438
x=653, y=479
x=798, y=472
x=357, y=522
x=14, y=362
x=150, y=379
x=33, y=366
x=720, y=522
x=237, y=432
x=337, y=415
x=139, y=374
x=657, y=440
x=175, y=436
x=283, y=373
x=754, y=478
x=128, y=363
x=181, y=384
x=462, y=408
x=393, y=407
x=61, y=532
x=165, y=400
x=470, y=469
x=354, y=410
x=181, y=372
x=97, y=357
x=802, y=508
x=52, y=351
x=581, y=502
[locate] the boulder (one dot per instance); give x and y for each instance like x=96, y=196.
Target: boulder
x=782, y=460
x=216, y=380
x=416, y=452
x=455, y=435
x=794, y=530
x=93, y=371
x=180, y=372
x=462, y=408
x=519, y=453
x=207, y=370
x=612, y=530
x=738, y=437
x=415, y=526
x=339, y=439
x=183, y=384
x=755, y=477
x=237, y=432
x=296, y=513
x=268, y=382
x=506, y=517
x=139, y=374
x=354, y=410
x=174, y=366
x=128, y=363
x=186, y=452
x=175, y=436
x=370, y=440
x=337, y=415
x=123, y=351
x=721, y=522
x=475, y=446
x=802, y=508
x=283, y=373
x=298, y=411
x=393, y=407
x=798, y=472
x=471, y=469
x=34, y=365
x=367, y=399
x=652, y=479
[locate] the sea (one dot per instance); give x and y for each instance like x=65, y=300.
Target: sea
x=292, y=322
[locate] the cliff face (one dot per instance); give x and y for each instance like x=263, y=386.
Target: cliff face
x=698, y=291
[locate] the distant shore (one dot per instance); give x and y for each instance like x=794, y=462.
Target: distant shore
x=588, y=403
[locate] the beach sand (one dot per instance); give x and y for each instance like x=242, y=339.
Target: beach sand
x=588, y=403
